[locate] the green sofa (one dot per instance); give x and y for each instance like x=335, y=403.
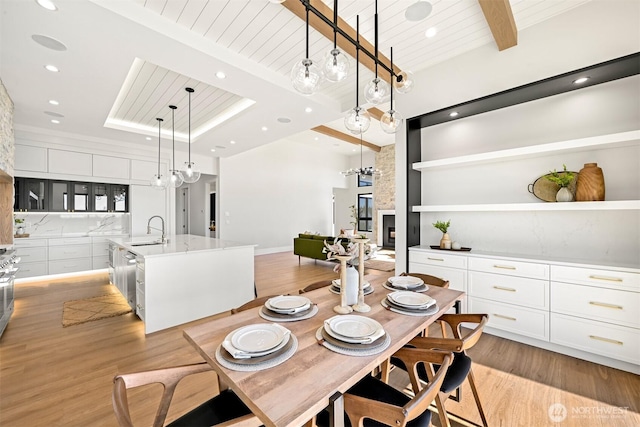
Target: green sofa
x=310, y=245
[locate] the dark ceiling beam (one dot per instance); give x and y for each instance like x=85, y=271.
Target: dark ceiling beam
x=323, y=28
x=500, y=19
x=326, y=130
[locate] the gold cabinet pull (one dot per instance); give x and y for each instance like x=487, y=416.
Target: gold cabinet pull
x=435, y=259
x=610, y=279
x=504, y=267
x=604, y=304
x=505, y=317
x=500, y=288
x=609, y=340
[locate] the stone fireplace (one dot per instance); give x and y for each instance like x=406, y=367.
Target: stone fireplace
x=386, y=229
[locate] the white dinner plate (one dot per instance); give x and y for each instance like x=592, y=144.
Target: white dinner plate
x=336, y=283
x=353, y=326
x=285, y=302
x=258, y=338
x=411, y=299
x=407, y=282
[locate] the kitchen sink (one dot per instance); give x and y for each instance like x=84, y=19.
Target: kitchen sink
x=145, y=244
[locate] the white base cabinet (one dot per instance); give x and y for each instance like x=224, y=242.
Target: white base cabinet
x=583, y=310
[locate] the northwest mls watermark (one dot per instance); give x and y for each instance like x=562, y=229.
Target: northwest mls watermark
x=558, y=412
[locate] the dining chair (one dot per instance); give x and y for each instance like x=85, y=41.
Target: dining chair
x=222, y=410
x=314, y=286
x=460, y=368
x=256, y=302
x=429, y=280
x=372, y=403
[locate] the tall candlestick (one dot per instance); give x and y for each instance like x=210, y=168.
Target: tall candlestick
x=360, y=306
x=343, y=308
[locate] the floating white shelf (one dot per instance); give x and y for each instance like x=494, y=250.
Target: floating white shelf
x=621, y=139
x=551, y=206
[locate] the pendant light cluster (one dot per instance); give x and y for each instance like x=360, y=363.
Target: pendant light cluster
x=176, y=178
x=307, y=77
x=362, y=171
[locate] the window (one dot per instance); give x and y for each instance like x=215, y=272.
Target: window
x=365, y=212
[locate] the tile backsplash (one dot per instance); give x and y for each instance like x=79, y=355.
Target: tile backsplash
x=73, y=224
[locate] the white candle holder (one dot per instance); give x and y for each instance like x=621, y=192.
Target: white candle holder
x=360, y=306
x=343, y=308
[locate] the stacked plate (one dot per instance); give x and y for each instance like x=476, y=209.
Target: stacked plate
x=335, y=287
x=288, y=308
x=353, y=335
x=411, y=303
x=406, y=283
x=256, y=343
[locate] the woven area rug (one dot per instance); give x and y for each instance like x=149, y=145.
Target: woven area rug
x=374, y=264
x=96, y=308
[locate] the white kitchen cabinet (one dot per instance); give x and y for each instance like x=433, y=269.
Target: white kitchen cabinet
x=142, y=170
x=583, y=310
x=69, y=252
x=28, y=158
x=69, y=265
x=110, y=167
x=69, y=162
x=145, y=202
x=33, y=257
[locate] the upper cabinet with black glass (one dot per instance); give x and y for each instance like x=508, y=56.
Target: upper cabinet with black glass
x=30, y=195
x=110, y=197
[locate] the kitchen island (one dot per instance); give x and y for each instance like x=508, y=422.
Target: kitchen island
x=187, y=278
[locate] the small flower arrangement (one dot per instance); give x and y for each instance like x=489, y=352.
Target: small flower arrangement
x=563, y=179
x=352, y=250
x=17, y=220
x=442, y=226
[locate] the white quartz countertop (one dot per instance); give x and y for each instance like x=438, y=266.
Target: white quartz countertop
x=178, y=244
x=633, y=268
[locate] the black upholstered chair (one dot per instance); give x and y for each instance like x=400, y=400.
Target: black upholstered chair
x=460, y=366
x=374, y=403
x=222, y=410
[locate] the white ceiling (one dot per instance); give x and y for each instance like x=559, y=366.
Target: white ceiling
x=169, y=44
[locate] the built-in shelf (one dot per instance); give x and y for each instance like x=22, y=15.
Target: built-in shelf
x=619, y=139
x=551, y=206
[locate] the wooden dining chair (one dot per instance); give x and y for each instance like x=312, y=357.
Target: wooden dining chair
x=371, y=402
x=256, y=302
x=314, y=286
x=223, y=410
x=460, y=368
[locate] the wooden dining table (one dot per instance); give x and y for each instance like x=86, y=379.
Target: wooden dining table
x=315, y=377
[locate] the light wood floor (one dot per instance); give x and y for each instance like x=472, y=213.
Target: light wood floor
x=54, y=376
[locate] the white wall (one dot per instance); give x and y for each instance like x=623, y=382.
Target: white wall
x=349, y=196
x=271, y=193
x=564, y=43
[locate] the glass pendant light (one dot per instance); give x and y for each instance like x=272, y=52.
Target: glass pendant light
x=190, y=174
x=175, y=177
x=335, y=66
x=391, y=120
x=305, y=75
x=357, y=120
x=404, y=81
x=376, y=91
x=159, y=181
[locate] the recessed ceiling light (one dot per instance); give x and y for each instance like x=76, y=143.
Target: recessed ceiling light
x=55, y=121
x=47, y=4
x=213, y=150
x=284, y=119
x=232, y=142
x=431, y=32
x=316, y=138
x=52, y=68
x=265, y=128
x=48, y=42
x=53, y=102
x=148, y=138
x=220, y=75
x=353, y=149
x=453, y=114
x=581, y=80
x=308, y=110
x=418, y=11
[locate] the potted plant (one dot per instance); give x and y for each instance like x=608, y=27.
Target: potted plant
x=445, y=242
x=563, y=180
x=18, y=224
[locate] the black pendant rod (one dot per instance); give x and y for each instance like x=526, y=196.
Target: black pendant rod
x=357, y=60
x=159, y=126
x=391, y=79
x=190, y=90
x=336, y=28
x=173, y=136
x=335, y=22
x=375, y=23
x=307, y=51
